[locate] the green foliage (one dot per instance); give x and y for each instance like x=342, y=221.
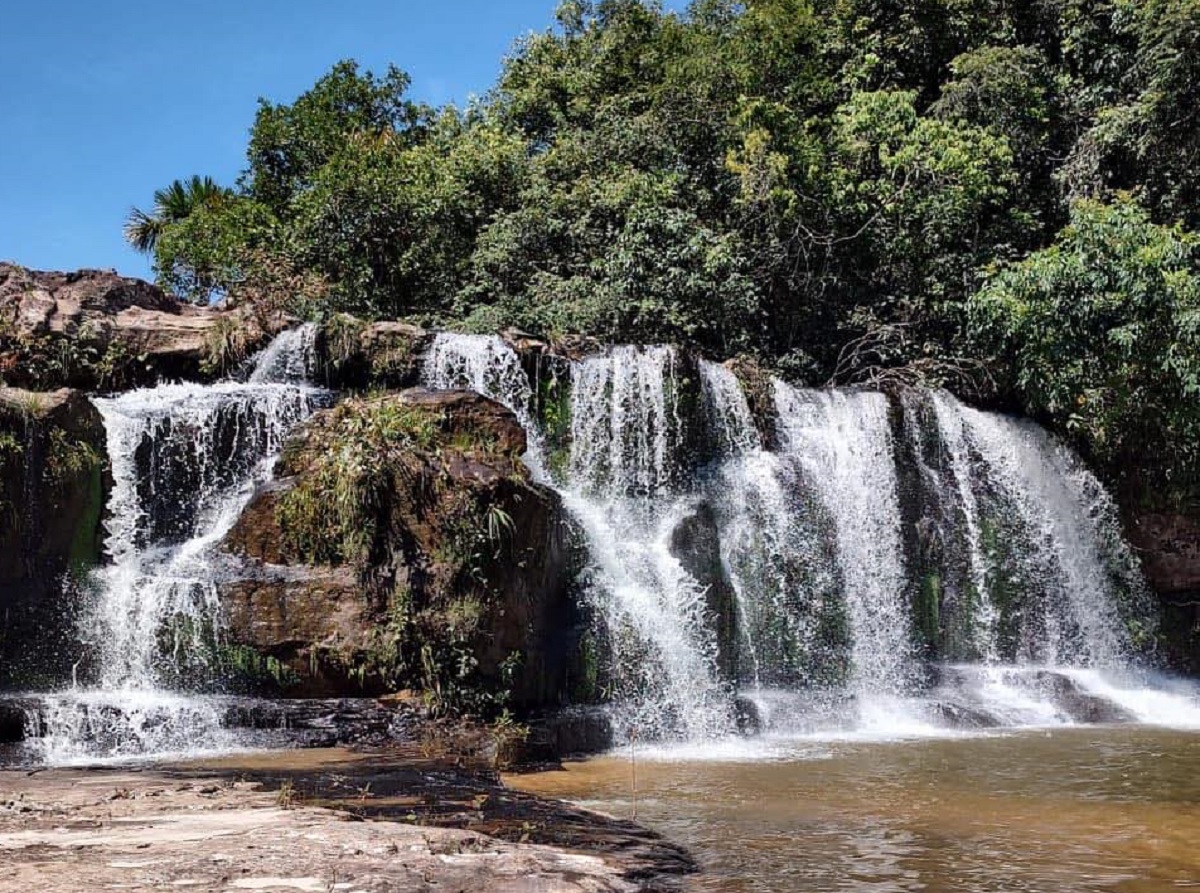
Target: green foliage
x=173, y=205
x=1102, y=333
x=336, y=513
x=818, y=186
x=206, y=254
x=289, y=144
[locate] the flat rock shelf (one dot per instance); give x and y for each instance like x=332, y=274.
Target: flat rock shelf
x=314, y=820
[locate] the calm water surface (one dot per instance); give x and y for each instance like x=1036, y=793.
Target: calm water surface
x=1113, y=809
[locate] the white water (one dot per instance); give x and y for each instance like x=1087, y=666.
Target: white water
x=290, y=358
x=1070, y=524
x=810, y=539
x=488, y=366
x=813, y=547
x=185, y=461
x=952, y=430
x=844, y=442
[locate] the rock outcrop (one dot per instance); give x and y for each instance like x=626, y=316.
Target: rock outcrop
x=94, y=330
x=696, y=542
x=403, y=546
x=1169, y=547
x=356, y=355
x=53, y=486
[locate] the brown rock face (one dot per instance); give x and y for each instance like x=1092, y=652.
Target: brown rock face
x=1169, y=546
x=95, y=330
x=356, y=355
x=1170, y=549
x=405, y=547
x=53, y=485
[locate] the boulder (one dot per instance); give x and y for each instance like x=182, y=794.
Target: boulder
x=96, y=330
x=696, y=542
x=53, y=487
x=355, y=355
x=403, y=545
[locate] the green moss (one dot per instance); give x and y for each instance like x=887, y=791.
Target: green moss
x=929, y=610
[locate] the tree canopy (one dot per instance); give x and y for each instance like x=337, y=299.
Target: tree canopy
x=992, y=196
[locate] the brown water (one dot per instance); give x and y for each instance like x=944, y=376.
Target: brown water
x=1112, y=809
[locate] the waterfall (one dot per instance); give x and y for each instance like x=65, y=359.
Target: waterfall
x=488, y=366
x=1072, y=544
x=729, y=415
x=819, y=551
x=625, y=431
x=843, y=441
x=291, y=357
x=185, y=461
x=626, y=427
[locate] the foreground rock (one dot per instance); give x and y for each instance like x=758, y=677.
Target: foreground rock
x=403, y=546
x=97, y=331
x=53, y=486
x=77, y=830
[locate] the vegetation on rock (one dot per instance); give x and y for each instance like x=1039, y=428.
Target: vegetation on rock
x=457, y=565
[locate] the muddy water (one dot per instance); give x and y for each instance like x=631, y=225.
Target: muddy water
x=1112, y=809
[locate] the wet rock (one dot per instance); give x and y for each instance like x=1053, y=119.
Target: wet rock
x=1169, y=546
x=1078, y=704
x=461, y=575
x=748, y=717
x=696, y=542
x=53, y=487
x=962, y=716
x=352, y=354
x=14, y=715
x=572, y=731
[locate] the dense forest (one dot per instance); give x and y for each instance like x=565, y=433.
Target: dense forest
x=996, y=197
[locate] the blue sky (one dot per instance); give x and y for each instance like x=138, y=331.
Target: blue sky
x=104, y=101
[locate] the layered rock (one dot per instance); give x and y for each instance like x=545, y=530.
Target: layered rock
x=95, y=330
x=404, y=546
x=53, y=486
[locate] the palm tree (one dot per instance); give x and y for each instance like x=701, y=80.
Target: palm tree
x=175, y=203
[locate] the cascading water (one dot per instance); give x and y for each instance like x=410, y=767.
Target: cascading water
x=1021, y=570
x=617, y=484
x=488, y=366
x=843, y=440
x=185, y=461
x=622, y=486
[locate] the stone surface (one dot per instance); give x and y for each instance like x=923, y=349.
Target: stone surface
x=458, y=526
x=356, y=355
x=1169, y=546
x=95, y=330
x=74, y=830
x=53, y=487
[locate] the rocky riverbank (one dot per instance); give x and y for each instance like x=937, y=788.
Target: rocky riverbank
x=315, y=821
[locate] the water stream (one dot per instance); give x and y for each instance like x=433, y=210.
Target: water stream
x=887, y=568
x=185, y=461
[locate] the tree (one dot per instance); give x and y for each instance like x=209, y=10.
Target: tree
x=1100, y=335
x=172, y=205
x=289, y=144
x=207, y=253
